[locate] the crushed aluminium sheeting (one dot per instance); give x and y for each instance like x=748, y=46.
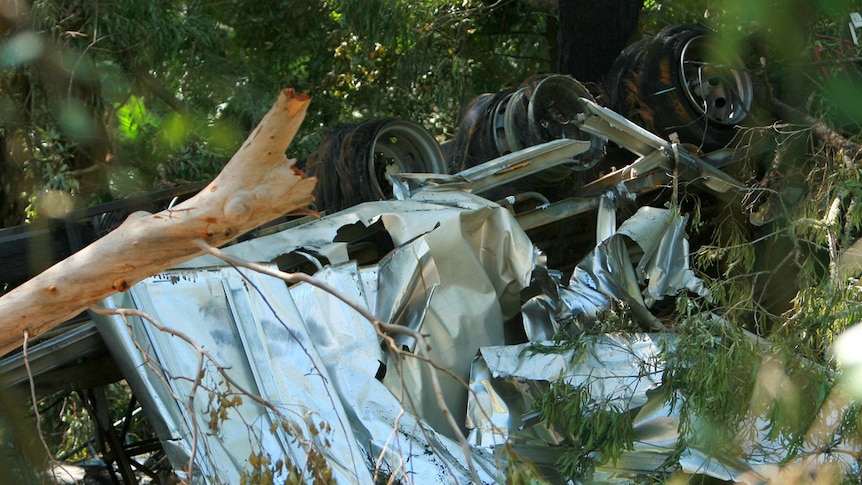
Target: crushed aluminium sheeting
x=606, y=274
x=506, y=380
x=623, y=370
x=457, y=271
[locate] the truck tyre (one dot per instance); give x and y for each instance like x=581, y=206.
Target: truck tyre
x=680, y=82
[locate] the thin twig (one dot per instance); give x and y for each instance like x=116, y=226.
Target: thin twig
x=36, y=403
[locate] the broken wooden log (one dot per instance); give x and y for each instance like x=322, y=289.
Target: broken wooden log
x=257, y=185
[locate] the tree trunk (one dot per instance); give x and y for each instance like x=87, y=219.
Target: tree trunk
x=592, y=33
x=256, y=186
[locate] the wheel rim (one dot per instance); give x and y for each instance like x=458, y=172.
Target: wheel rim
x=716, y=84
x=553, y=113
x=514, y=119
x=498, y=126
x=554, y=107
x=402, y=147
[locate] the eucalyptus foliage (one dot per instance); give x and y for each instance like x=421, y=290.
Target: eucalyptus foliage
x=148, y=93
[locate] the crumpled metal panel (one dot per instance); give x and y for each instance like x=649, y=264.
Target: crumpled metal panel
x=620, y=369
x=626, y=370
x=456, y=274
x=393, y=439
x=253, y=331
x=607, y=275
x=623, y=370
x=483, y=260
x=664, y=265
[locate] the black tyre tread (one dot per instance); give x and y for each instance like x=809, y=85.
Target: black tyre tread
x=467, y=128
x=343, y=165
x=474, y=143
x=660, y=84
x=623, y=84
x=644, y=85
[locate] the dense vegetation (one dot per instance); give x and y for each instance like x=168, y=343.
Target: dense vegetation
x=102, y=99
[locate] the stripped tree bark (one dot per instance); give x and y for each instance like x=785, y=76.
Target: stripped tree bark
x=257, y=185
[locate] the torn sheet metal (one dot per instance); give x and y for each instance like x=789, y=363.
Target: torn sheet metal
x=607, y=274
x=625, y=370
x=394, y=441
x=617, y=368
x=622, y=370
x=251, y=328
x=665, y=262
x=455, y=275
x=506, y=381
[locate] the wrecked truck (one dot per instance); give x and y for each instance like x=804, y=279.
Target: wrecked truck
x=435, y=322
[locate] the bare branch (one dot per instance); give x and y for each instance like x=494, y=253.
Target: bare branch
x=823, y=131
x=256, y=186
